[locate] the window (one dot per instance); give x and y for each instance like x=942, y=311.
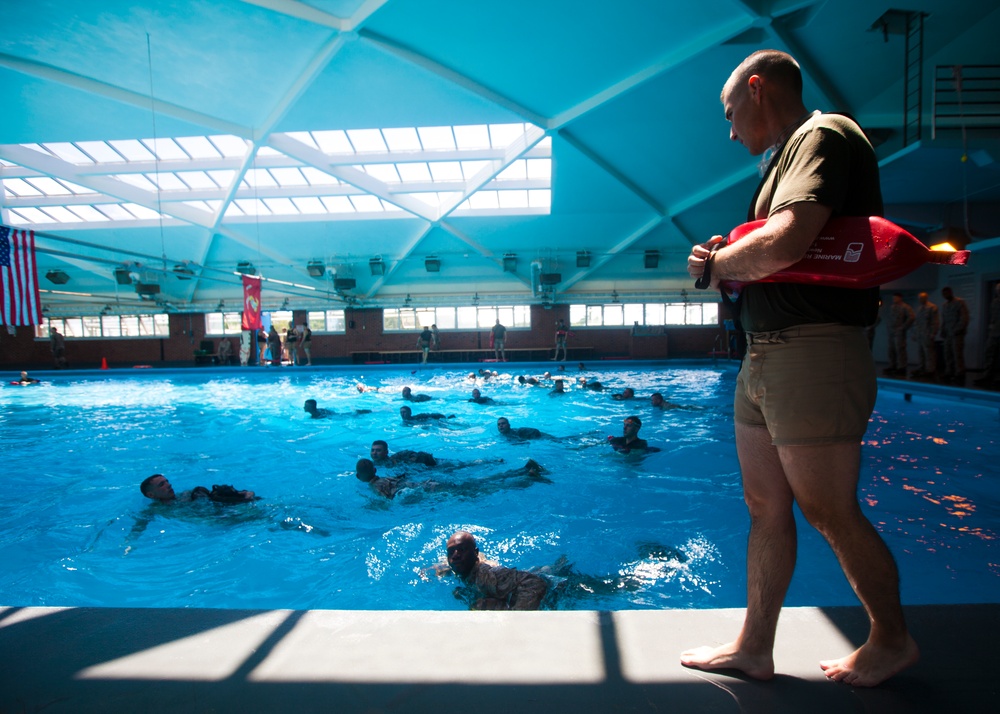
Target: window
x=472, y=317
x=327, y=321
x=655, y=313
x=105, y=326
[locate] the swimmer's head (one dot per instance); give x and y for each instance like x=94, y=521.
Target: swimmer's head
x=157, y=488
x=476, y=394
x=310, y=406
x=503, y=426
x=656, y=399
x=24, y=375
x=628, y=392
x=379, y=451
x=631, y=425
x=406, y=392
x=463, y=553
x=520, y=378
x=365, y=470
x=405, y=412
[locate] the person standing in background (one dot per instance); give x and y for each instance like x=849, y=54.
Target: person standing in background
x=900, y=320
x=927, y=323
x=498, y=336
x=991, y=361
x=435, y=338
x=954, y=323
x=307, y=336
x=58, y=348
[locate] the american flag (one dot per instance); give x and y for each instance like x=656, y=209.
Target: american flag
x=19, y=301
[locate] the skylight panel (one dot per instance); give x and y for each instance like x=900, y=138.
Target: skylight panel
x=484, y=200
x=472, y=168
x=503, y=135
x=303, y=137
x=333, y=142
x=389, y=206
x=49, y=186
x=140, y=212
x=545, y=143
x=165, y=149
x=405, y=139
x=268, y=151
x=429, y=199
x=289, y=177
x=259, y=178
x=309, y=205
x=137, y=180
x=367, y=204
x=101, y=152
x=417, y=171
x=338, y=204
x=76, y=188
x=281, y=206
x=436, y=138
x=367, y=140
x=201, y=206
x=386, y=173
x=223, y=177
x=28, y=215
x=88, y=213
x=198, y=147
x=513, y=199
x=60, y=214
x=20, y=187
x=515, y=171
x=446, y=171
x=230, y=146
x=447, y=198
x=196, y=179
x=540, y=198
x=232, y=210
x=476, y=136
x=114, y=212
x=252, y=206
x=133, y=150
x=69, y=153
x=315, y=177
x=167, y=181
x=539, y=169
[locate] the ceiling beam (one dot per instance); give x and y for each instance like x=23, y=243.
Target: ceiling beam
x=124, y=96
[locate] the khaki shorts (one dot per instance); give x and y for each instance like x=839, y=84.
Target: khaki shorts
x=813, y=384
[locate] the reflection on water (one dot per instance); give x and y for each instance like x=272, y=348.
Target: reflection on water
x=664, y=530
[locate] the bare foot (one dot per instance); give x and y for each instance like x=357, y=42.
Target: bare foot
x=729, y=657
x=870, y=665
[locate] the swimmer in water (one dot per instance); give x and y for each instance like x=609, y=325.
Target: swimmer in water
x=629, y=441
x=495, y=587
x=410, y=418
x=626, y=394
x=158, y=488
x=523, y=477
x=409, y=396
x=25, y=379
x=380, y=455
x=314, y=411
x=524, y=433
x=478, y=398
x=558, y=389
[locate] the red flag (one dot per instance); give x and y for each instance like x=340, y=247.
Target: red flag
x=19, y=300
x=251, y=302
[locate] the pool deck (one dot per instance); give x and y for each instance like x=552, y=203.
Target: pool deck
x=114, y=660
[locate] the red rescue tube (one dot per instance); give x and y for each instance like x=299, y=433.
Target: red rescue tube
x=854, y=252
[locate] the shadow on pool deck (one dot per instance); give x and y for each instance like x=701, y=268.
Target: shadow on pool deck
x=171, y=660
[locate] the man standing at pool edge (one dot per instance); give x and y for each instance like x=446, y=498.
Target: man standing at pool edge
x=807, y=384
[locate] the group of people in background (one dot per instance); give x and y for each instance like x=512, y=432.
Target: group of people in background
x=928, y=326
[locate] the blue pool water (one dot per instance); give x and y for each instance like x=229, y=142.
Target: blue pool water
x=74, y=529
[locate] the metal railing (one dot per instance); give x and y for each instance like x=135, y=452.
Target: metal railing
x=966, y=97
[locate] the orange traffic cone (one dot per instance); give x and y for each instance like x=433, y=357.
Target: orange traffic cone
x=104, y=362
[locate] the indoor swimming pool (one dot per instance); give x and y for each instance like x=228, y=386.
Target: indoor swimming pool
x=660, y=530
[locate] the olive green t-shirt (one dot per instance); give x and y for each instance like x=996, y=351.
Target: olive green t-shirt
x=827, y=160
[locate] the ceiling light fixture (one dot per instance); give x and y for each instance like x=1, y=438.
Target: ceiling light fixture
x=583, y=258
x=509, y=262
x=246, y=268
x=651, y=259
x=376, y=266
x=432, y=264
x=58, y=277
x=316, y=268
